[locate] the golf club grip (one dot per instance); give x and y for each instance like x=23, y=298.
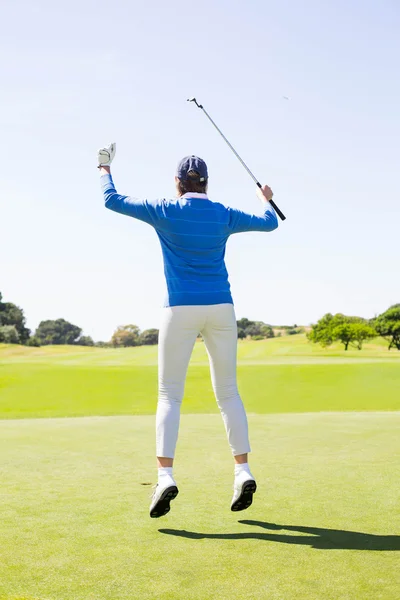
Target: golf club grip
x=277, y=210
x=272, y=203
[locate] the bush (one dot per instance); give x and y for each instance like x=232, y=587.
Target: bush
x=294, y=331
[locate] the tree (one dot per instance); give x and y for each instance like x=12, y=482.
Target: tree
x=264, y=330
x=57, y=332
x=353, y=333
x=254, y=329
x=339, y=327
x=126, y=335
x=101, y=344
x=387, y=325
x=344, y=333
x=321, y=332
x=242, y=325
x=241, y=334
x=149, y=337
x=85, y=340
x=362, y=331
x=12, y=315
x=9, y=334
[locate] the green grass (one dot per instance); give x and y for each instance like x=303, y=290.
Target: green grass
x=285, y=350
x=324, y=524
x=46, y=391
x=74, y=493
x=281, y=375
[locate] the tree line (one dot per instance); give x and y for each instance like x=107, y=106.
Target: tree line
x=353, y=331
x=13, y=330
x=350, y=331
x=61, y=332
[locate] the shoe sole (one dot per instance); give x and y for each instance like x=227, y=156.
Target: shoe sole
x=246, y=497
x=163, y=505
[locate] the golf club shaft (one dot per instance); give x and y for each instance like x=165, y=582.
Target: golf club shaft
x=254, y=178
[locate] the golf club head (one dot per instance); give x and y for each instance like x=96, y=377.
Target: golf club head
x=195, y=101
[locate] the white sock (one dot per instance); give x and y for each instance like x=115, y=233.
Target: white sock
x=165, y=476
x=242, y=469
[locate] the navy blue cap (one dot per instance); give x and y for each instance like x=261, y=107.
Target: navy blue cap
x=192, y=163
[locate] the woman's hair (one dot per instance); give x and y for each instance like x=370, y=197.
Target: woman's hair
x=192, y=184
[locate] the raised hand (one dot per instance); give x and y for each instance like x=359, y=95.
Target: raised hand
x=105, y=155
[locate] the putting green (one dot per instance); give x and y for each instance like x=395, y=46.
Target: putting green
x=325, y=522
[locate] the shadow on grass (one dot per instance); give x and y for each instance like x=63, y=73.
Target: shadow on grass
x=322, y=539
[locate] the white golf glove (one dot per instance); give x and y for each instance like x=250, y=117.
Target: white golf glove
x=105, y=155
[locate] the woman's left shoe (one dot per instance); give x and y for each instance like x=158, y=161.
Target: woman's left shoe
x=243, y=491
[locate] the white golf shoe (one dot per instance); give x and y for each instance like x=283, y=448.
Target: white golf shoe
x=243, y=489
x=162, y=496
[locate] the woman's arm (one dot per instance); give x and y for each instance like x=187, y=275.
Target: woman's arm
x=132, y=207
x=104, y=170
x=240, y=221
x=126, y=205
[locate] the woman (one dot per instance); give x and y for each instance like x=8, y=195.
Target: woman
x=193, y=232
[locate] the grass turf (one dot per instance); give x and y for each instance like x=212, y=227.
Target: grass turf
x=281, y=375
x=285, y=349
x=46, y=391
x=325, y=522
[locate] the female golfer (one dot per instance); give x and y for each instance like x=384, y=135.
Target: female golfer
x=193, y=231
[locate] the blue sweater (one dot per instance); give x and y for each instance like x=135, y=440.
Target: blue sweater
x=193, y=232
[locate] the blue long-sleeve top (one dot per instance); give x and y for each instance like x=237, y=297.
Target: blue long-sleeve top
x=193, y=232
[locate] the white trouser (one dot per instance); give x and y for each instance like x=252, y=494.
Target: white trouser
x=178, y=332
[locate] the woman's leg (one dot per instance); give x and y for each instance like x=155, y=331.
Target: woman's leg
x=178, y=332
x=220, y=337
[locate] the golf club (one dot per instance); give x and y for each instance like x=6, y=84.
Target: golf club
x=278, y=211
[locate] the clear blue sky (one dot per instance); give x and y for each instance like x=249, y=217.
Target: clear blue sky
x=76, y=76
